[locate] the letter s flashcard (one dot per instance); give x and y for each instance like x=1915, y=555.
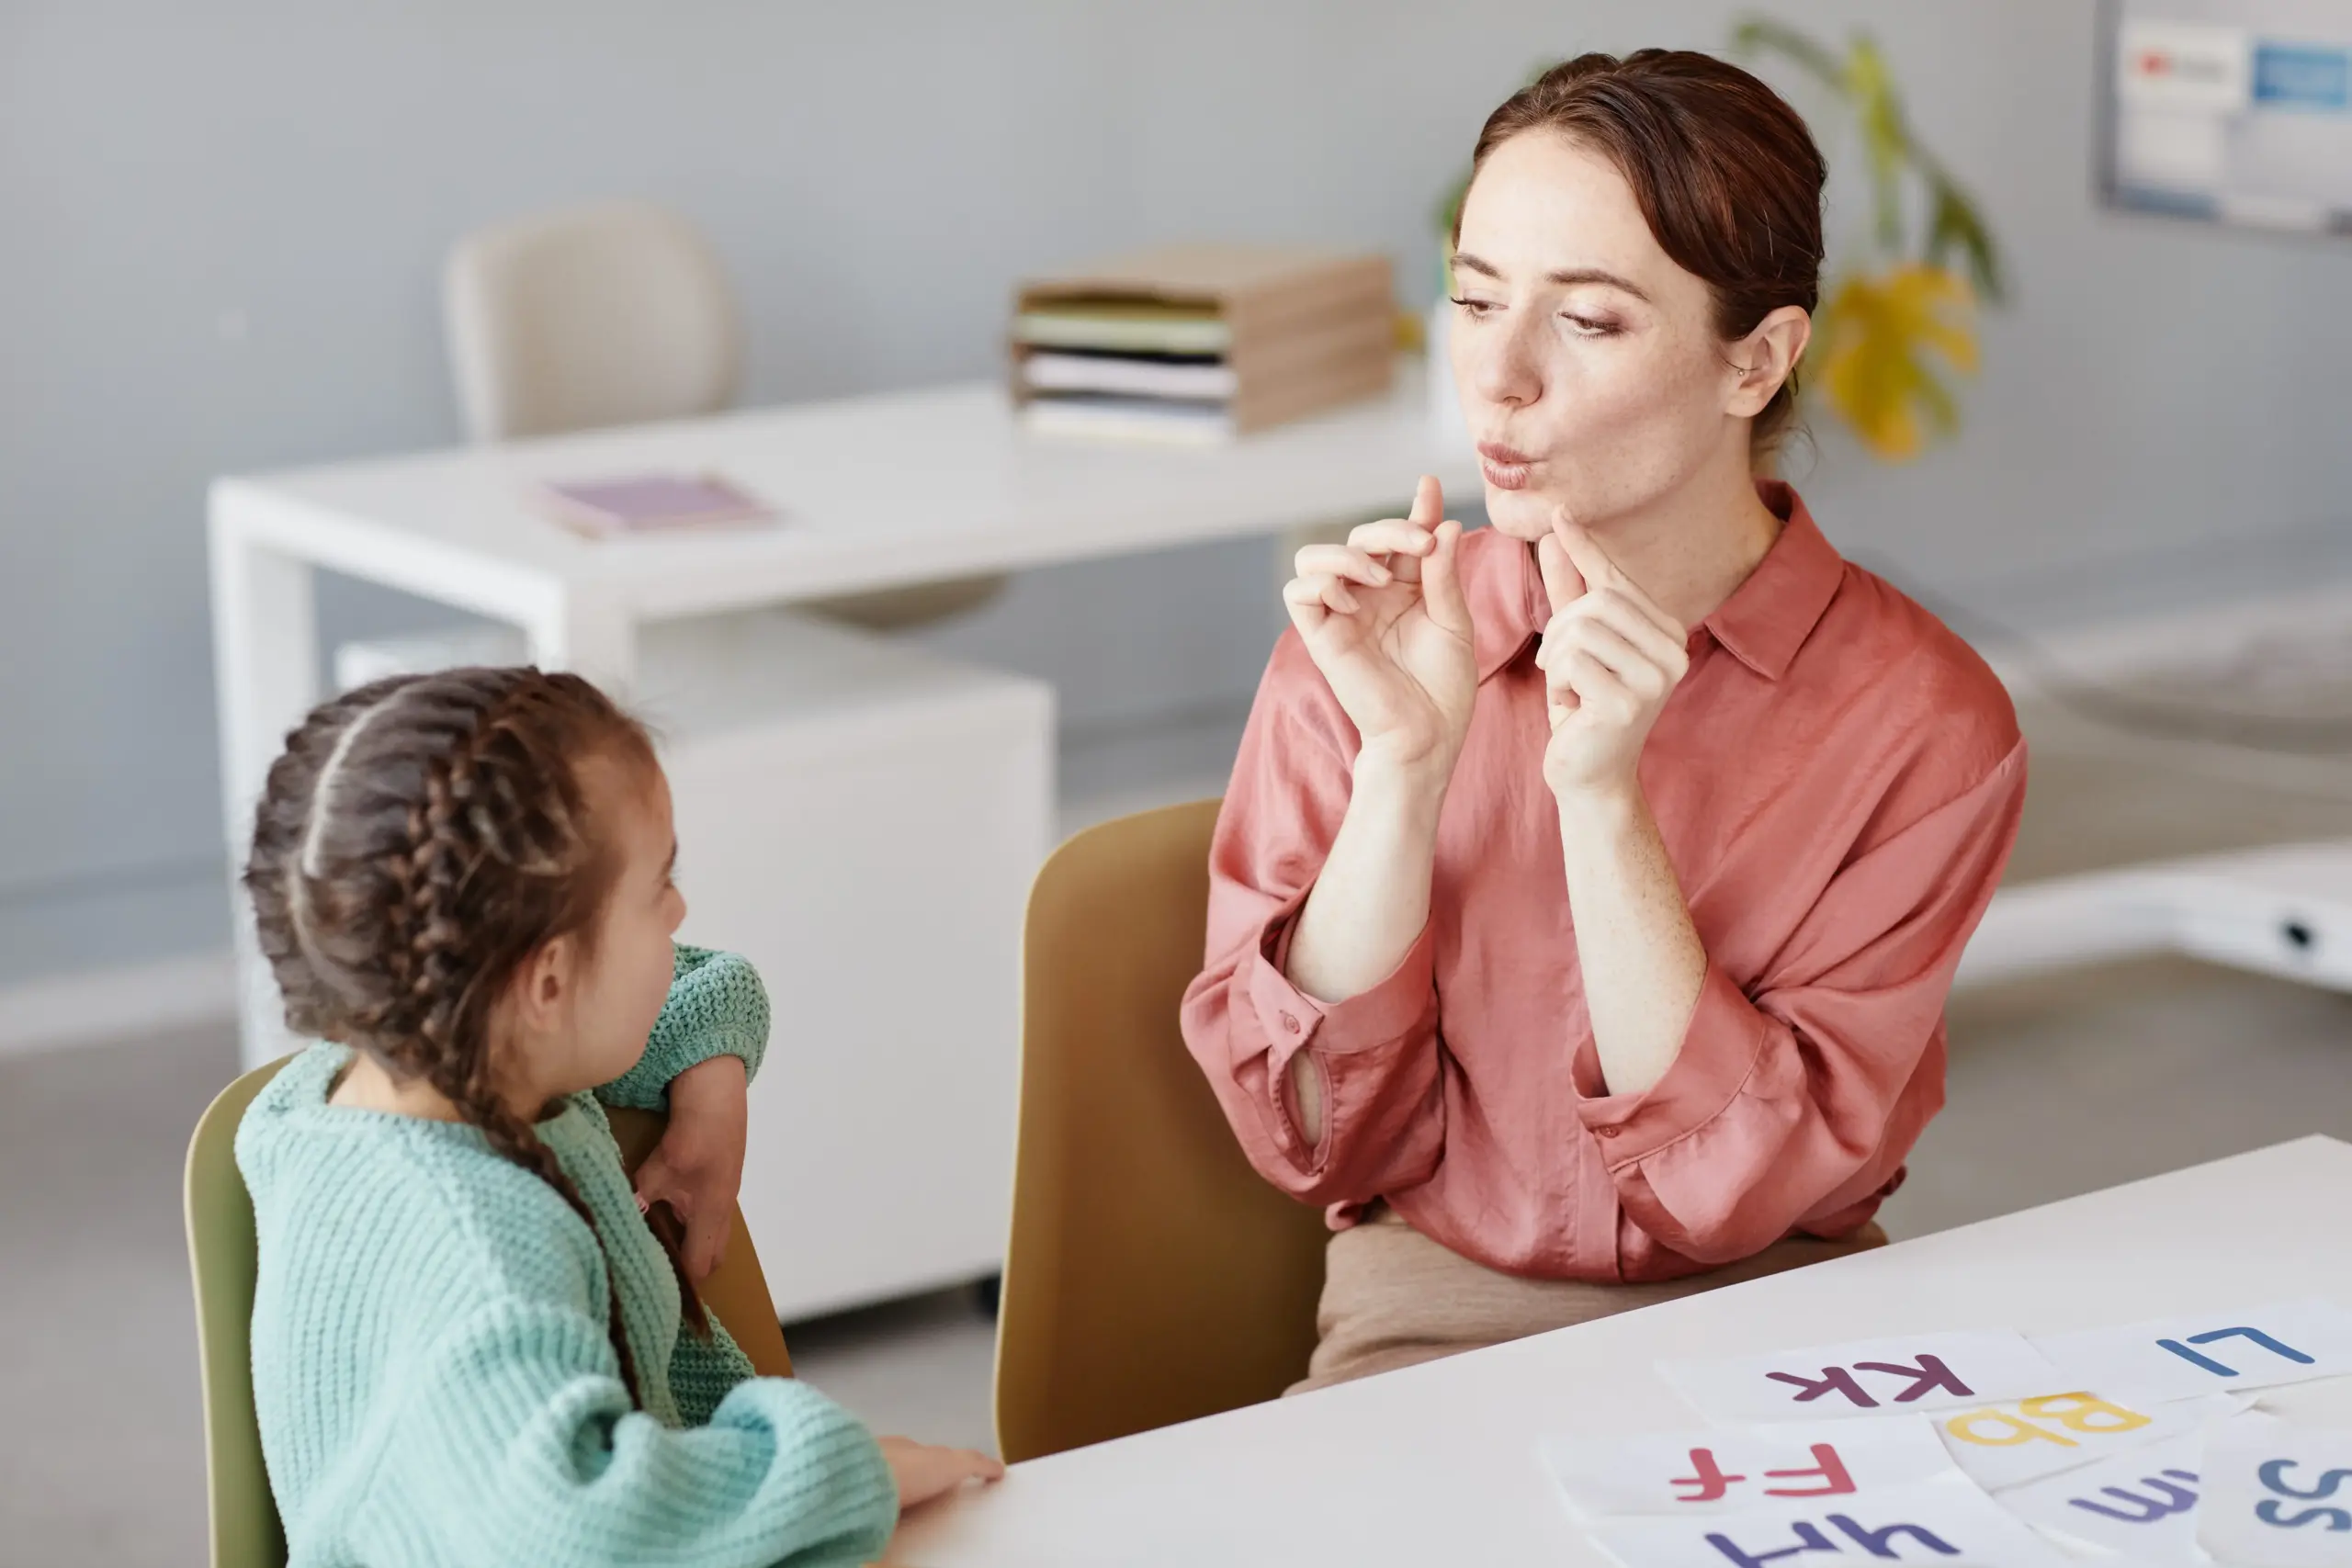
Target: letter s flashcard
x=2278, y=1496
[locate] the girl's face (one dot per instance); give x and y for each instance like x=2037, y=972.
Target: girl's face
x=586, y=1007
x=1586, y=358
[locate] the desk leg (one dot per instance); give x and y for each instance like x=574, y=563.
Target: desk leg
x=264, y=661
x=588, y=635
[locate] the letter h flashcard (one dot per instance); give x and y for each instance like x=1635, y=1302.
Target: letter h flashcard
x=1946, y=1521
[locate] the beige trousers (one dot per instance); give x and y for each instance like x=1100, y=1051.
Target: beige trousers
x=1393, y=1298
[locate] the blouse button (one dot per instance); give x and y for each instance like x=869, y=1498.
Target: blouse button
x=1608, y=1132
x=1289, y=1023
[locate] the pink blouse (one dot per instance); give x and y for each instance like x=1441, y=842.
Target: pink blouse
x=1838, y=781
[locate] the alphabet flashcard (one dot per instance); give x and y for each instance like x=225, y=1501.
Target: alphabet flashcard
x=2172, y=1358
x=1948, y=1522
x=1908, y=1375
x=1723, y=1472
x=2009, y=1445
x=2141, y=1504
x=2277, y=1496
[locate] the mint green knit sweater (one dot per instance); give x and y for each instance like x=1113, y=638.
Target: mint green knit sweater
x=431, y=1366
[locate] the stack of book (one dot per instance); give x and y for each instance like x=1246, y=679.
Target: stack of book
x=1202, y=343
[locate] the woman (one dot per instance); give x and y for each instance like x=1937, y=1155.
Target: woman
x=1587, y=898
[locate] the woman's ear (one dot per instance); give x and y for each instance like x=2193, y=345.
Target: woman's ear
x=1765, y=359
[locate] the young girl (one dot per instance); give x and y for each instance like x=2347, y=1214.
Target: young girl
x=468, y=1345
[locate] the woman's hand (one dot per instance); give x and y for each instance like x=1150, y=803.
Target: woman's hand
x=697, y=1166
x=1385, y=620
x=924, y=1472
x=1610, y=657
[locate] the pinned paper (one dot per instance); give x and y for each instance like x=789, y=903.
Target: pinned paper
x=1913, y=1374
x=1707, y=1472
x=2009, y=1445
x=2278, y=1496
x=2172, y=1358
x=1948, y=1522
x=2141, y=1504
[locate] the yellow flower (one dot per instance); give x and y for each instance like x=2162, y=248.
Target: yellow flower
x=1876, y=336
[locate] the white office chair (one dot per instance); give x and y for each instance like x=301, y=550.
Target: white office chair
x=612, y=314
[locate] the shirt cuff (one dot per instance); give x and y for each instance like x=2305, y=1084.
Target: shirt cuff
x=1292, y=1020
x=1720, y=1048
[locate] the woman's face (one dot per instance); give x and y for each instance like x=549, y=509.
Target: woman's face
x=1586, y=358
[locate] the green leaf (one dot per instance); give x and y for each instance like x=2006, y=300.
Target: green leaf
x=1763, y=35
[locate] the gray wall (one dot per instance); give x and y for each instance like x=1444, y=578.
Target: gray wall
x=223, y=224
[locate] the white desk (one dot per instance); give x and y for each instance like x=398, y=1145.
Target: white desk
x=1437, y=1465
x=877, y=492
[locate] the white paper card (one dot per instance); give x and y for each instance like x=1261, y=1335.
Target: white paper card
x=2141, y=1504
x=1912, y=1374
x=1948, y=1522
x=2277, y=1495
x=1702, y=1473
x=2009, y=1445
x=2172, y=1358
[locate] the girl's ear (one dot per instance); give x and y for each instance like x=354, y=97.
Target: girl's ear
x=1765, y=359
x=542, y=992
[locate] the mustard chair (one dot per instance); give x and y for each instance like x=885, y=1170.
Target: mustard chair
x=245, y=1529
x=1151, y=1276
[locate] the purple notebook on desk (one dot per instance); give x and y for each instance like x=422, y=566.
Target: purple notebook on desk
x=642, y=503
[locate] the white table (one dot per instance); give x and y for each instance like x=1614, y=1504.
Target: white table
x=1436, y=1464
x=877, y=492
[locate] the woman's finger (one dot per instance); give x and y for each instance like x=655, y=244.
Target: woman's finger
x=1610, y=609
x=1321, y=588
x=1633, y=666
x=1403, y=544
x=1562, y=583
x=1346, y=562
x=1441, y=594
x=1598, y=570
x=1597, y=687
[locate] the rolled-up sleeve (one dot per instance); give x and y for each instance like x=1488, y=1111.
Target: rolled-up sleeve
x=1244, y=1022
x=1781, y=1103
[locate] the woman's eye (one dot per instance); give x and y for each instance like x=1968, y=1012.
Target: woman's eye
x=1474, y=308
x=1587, y=326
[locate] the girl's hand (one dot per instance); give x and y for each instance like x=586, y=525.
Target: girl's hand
x=924, y=1472
x=1385, y=620
x=697, y=1168
x=1610, y=657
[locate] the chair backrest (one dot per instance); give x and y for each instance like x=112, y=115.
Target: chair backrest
x=1152, y=1276
x=608, y=314
x=245, y=1529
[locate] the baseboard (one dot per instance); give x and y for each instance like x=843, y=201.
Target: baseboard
x=100, y=1005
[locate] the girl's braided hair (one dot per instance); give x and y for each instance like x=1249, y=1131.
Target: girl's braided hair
x=418, y=839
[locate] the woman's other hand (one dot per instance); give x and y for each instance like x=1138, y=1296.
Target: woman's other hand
x=1385, y=620
x=1610, y=658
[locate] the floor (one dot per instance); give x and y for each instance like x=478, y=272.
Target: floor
x=2058, y=1085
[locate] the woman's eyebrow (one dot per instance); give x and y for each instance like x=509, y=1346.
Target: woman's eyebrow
x=1564, y=277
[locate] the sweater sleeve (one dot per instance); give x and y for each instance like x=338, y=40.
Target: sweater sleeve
x=716, y=1008
x=514, y=1442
